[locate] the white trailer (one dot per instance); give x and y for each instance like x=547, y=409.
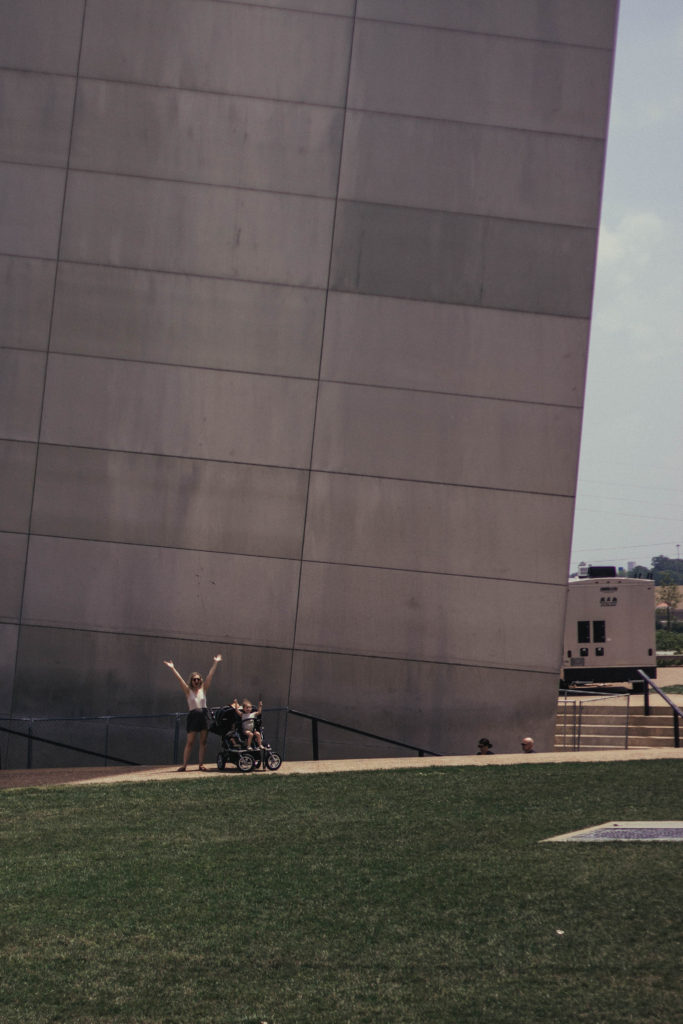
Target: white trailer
x=609, y=630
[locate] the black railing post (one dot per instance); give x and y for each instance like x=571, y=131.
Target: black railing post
x=317, y=720
x=676, y=711
x=646, y=697
x=576, y=737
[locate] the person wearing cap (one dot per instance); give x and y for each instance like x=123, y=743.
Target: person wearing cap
x=485, y=746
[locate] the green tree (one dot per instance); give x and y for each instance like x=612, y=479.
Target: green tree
x=670, y=595
x=640, y=573
x=663, y=566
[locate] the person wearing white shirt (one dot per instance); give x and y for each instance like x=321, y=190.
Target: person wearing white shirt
x=197, y=716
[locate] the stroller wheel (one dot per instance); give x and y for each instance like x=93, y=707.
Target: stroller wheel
x=245, y=762
x=273, y=761
x=220, y=761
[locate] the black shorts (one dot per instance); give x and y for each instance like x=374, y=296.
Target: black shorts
x=197, y=721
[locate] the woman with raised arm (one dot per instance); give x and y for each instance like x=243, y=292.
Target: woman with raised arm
x=197, y=716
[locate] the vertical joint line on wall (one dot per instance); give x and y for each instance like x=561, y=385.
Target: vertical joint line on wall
x=322, y=342
x=47, y=356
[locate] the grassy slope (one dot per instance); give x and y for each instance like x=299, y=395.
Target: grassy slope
x=410, y=896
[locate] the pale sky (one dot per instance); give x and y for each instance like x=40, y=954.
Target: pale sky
x=629, y=504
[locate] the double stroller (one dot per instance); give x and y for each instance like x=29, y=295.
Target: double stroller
x=226, y=723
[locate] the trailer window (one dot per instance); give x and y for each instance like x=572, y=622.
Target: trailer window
x=599, y=634
x=584, y=632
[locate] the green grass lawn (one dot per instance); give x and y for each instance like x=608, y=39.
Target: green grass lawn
x=405, y=897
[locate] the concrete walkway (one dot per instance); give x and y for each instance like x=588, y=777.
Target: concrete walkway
x=18, y=779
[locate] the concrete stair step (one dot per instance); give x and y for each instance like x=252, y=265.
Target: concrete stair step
x=636, y=704
x=604, y=727
x=646, y=727
x=598, y=723
x=608, y=723
x=641, y=741
x=619, y=715
x=651, y=730
x=656, y=711
x=633, y=723
x=609, y=737
x=593, y=743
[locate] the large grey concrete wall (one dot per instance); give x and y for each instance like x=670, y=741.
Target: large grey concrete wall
x=295, y=308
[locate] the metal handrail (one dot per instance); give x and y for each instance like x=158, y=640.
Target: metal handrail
x=65, y=746
x=575, y=733
x=178, y=717
x=28, y=721
x=105, y=755
x=587, y=698
x=315, y=719
x=676, y=711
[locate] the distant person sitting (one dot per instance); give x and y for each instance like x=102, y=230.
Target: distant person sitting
x=485, y=746
x=528, y=745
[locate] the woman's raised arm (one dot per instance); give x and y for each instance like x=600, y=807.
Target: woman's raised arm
x=178, y=676
x=210, y=674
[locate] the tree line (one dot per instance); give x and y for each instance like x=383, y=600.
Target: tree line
x=663, y=570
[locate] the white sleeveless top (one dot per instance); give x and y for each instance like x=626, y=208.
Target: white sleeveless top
x=196, y=699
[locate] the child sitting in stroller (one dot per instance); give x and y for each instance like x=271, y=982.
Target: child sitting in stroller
x=248, y=718
x=242, y=740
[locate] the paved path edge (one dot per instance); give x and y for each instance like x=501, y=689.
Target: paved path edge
x=28, y=778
